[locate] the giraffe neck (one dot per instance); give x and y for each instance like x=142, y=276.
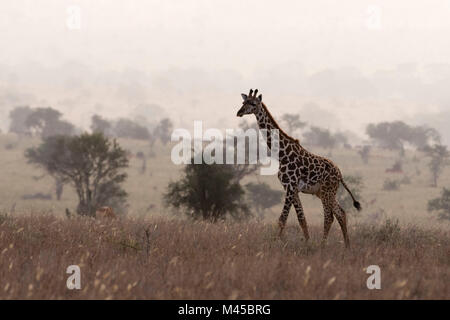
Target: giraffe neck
x=267, y=122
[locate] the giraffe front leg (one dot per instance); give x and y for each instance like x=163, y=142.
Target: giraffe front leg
x=301, y=216
x=285, y=213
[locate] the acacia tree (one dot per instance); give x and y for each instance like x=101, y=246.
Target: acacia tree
x=439, y=160
x=91, y=163
x=393, y=135
x=390, y=135
x=18, y=118
x=293, y=122
x=47, y=122
x=126, y=128
x=166, y=126
x=340, y=138
x=99, y=124
x=320, y=137
x=208, y=192
x=162, y=131
x=141, y=155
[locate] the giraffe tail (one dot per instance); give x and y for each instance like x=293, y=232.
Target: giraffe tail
x=356, y=204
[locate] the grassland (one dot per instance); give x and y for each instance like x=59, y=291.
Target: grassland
x=173, y=259
x=151, y=254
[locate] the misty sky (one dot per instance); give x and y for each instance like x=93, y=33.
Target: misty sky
x=193, y=58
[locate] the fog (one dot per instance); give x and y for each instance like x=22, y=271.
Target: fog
x=340, y=65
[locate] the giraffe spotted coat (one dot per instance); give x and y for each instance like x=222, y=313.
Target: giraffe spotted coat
x=301, y=171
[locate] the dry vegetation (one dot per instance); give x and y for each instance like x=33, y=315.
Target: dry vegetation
x=149, y=255
x=174, y=259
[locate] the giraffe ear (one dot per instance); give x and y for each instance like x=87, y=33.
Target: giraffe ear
x=244, y=96
x=260, y=97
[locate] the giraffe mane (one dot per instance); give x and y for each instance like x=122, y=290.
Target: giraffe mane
x=277, y=125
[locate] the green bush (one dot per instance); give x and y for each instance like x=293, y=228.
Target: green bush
x=208, y=192
x=441, y=205
x=263, y=197
x=391, y=184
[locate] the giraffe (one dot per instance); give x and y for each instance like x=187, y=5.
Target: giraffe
x=301, y=171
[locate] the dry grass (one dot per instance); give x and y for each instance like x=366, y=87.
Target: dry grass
x=148, y=256
x=174, y=259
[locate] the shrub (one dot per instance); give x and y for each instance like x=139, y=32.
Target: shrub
x=10, y=146
x=391, y=184
x=3, y=217
x=388, y=232
x=365, y=153
x=37, y=196
x=263, y=197
x=405, y=180
x=208, y=192
x=441, y=205
x=376, y=216
x=396, y=167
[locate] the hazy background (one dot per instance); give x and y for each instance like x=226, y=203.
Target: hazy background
x=340, y=65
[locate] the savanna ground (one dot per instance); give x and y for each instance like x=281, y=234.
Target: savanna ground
x=172, y=259
x=152, y=254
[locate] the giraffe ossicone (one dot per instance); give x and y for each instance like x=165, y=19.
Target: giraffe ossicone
x=301, y=171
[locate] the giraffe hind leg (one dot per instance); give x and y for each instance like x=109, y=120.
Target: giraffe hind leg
x=328, y=217
x=341, y=217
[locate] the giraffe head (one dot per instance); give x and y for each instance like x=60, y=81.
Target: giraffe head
x=252, y=103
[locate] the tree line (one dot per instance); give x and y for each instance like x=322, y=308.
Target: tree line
x=94, y=164
x=47, y=122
